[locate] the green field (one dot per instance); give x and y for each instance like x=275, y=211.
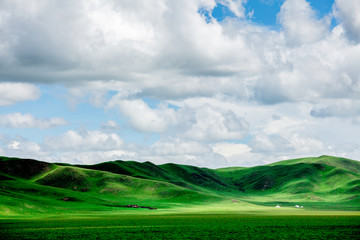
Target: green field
x=185, y=226
x=122, y=200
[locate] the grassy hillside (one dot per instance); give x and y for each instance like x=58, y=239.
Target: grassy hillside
x=190, y=177
x=29, y=186
x=53, y=188
x=323, y=175
x=23, y=168
x=293, y=178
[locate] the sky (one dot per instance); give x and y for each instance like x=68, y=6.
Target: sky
x=211, y=83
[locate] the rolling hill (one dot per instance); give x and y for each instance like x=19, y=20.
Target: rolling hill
x=34, y=187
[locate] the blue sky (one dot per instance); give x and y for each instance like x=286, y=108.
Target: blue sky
x=205, y=82
x=264, y=12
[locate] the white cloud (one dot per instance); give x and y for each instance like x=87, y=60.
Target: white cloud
x=208, y=123
x=284, y=125
x=270, y=144
x=347, y=12
x=82, y=141
x=11, y=93
x=93, y=157
x=182, y=152
x=236, y=6
x=237, y=154
x=110, y=126
x=163, y=50
x=23, y=148
x=175, y=146
x=14, y=145
x=272, y=148
x=344, y=108
x=312, y=72
x=285, y=136
x=226, y=79
x=202, y=123
x=300, y=23
x=142, y=117
x=231, y=149
x=308, y=146
x=98, y=147
x=18, y=120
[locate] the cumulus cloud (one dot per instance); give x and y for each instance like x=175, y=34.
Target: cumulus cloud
x=270, y=148
x=18, y=120
x=183, y=151
x=89, y=147
x=21, y=147
x=347, y=12
x=167, y=43
x=214, y=82
x=142, y=117
x=110, y=126
x=176, y=146
x=14, y=145
x=230, y=149
x=11, y=93
x=93, y=157
x=270, y=143
x=236, y=6
x=237, y=154
x=82, y=141
x=208, y=123
x=284, y=125
x=300, y=23
x=202, y=123
x=287, y=137
x=312, y=72
x=339, y=108
x=163, y=50
x=309, y=146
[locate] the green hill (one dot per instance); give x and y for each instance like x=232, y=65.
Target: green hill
x=293, y=177
x=194, y=178
x=30, y=186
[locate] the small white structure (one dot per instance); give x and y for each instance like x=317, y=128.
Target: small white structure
x=297, y=206
x=277, y=206
x=302, y=206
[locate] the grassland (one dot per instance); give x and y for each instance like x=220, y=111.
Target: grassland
x=44, y=200
x=185, y=226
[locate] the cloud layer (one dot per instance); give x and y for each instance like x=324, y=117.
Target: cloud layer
x=204, y=91
x=166, y=51
x=18, y=120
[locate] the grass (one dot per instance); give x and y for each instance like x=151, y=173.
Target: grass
x=60, y=201
x=185, y=226
x=30, y=187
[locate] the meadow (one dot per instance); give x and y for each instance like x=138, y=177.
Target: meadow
x=185, y=226
x=132, y=200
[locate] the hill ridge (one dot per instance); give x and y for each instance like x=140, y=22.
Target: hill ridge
x=317, y=181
